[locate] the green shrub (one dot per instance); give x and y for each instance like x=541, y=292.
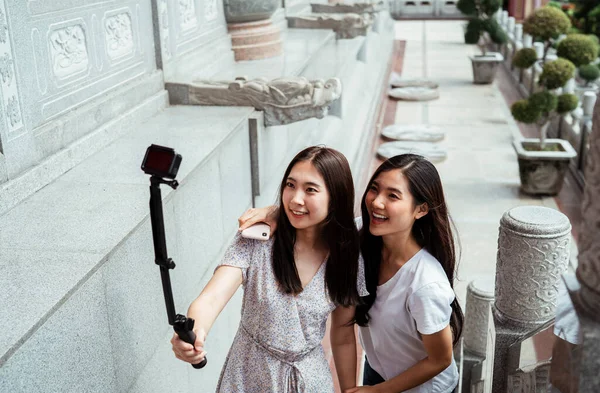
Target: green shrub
x=566, y=103
x=589, y=72
x=543, y=101
x=523, y=112
x=578, y=48
x=478, y=7
x=496, y=33
x=546, y=23
x=524, y=58
x=556, y=73
x=467, y=7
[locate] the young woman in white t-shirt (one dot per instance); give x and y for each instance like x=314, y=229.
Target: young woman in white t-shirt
x=411, y=319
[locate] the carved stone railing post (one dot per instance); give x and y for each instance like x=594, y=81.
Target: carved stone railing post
x=480, y=295
x=253, y=35
x=586, y=295
x=533, y=253
x=283, y=100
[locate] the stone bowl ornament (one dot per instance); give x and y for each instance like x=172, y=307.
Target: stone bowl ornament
x=413, y=132
x=430, y=151
x=397, y=81
x=414, y=93
x=242, y=11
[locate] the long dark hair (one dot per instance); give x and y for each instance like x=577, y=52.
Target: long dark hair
x=338, y=230
x=433, y=231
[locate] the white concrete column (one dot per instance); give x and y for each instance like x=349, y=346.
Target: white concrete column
x=527, y=41
x=518, y=32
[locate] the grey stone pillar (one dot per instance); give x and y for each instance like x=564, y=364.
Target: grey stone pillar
x=586, y=297
x=480, y=295
x=533, y=253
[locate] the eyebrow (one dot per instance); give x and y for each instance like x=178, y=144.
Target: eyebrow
x=308, y=183
x=389, y=188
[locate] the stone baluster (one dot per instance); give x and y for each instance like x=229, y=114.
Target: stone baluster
x=504, y=20
x=527, y=41
x=539, y=49
x=518, y=33
x=253, y=35
x=510, y=26
x=533, y=252
x=480, y=295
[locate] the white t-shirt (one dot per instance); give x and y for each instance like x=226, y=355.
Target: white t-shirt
x=415, y=300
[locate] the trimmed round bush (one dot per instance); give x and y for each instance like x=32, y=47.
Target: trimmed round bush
x=497, y=34
x=556, y=73
x=467, y=7
x=578, y=48
x=473, y=31
x=523, y=112
x=566, y=103
x=524, y=58
x=589, y=72
x=543, y=101
x=546, y=23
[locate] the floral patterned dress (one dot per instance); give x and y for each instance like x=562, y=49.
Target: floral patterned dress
x=277, y=347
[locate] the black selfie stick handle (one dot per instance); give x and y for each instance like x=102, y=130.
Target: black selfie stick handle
x=184, y=326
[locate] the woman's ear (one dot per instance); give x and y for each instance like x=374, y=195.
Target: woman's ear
x=421, y=210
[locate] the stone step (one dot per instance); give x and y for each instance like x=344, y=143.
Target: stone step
x=77, y=280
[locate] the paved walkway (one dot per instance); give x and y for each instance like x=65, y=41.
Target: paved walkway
x=480, y=175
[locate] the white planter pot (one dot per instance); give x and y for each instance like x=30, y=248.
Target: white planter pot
x=543, y=172
x=485, y=67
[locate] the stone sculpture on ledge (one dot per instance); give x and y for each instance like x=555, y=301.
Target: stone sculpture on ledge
x=367, y=7
x=283, y=100
x=346, y=26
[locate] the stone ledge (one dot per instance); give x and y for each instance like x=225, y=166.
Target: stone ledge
x=54, y=241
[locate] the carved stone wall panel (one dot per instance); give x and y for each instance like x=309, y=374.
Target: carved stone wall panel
x=163, y=20
x=69, y=49
x=188, y=19
x=210, y=10
x=118, y=33
x=11, y=104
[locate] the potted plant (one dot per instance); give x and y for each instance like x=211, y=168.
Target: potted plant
x=481, y=21
x=581, y=50
x=543, y=162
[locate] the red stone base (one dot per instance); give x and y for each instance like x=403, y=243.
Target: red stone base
x=255, y=40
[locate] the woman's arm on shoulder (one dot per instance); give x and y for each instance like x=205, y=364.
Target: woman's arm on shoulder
x=439, y=356
x=252, y=216
x=343, y=345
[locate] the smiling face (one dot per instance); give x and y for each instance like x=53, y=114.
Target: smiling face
x=305, y=197
x=391, y=206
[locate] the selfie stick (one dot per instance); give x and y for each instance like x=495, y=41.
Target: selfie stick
x=182, y=325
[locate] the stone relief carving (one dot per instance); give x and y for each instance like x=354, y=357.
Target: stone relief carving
x=283, y=100
x=187, y=14
x=11, y=105
x=529, y=270
x=341, y=8
x=588, y=270
x=119, y=35
x=12, y=111
x=345, y=25
x=6, y=68
x=163, y=20
x=68, y=50
x=3, y=27
x=210, y=10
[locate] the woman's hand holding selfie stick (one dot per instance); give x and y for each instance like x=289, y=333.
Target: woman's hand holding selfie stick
x=162, y=164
